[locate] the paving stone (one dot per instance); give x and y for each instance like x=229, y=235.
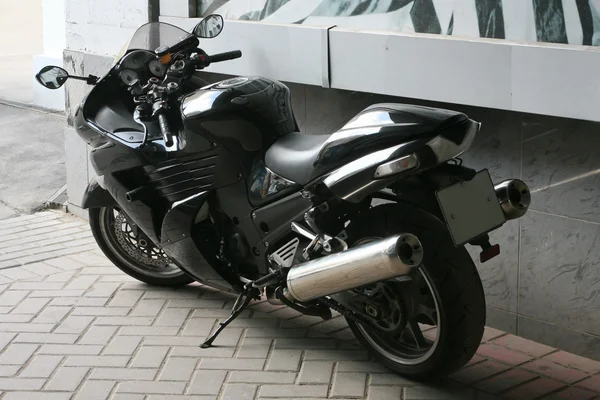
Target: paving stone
x=31, y=306
x=502, y=354
x=67, y=379
x=75, y=349
x=478, y=371
x=533, y=389
x=36, y=396
x=336, y=355
x=592, y=383
x=173, y=317
x=556, y=371
x=122, y=345
x=24, y=327
x=96, y=302
x=573, y=361
x=571, y=393
x=284, y=360
x=74, y=324
x=13, y=297
x=523, y=345
x=21, y=384
x=96, y=361
x=41, y=366
x=95, y=390
x=178, y=369
x=148, y=308
x=384, y=392
x=231, y=364
x=207, y=382
x=124, y=321
x=151, y=387
x=148, y=331
x=239, y=391
x=149, y=357
x=52, y=315
x=292, y=391
x=349, y=384
x=316, y=372
x=438, y=393
x=255, y=348
x=123, y=374
x=126, y=298
x=506, y=380
x=98, y=335
x=262, y=377
x=17, y=354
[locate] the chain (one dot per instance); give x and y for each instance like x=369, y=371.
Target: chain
x=351, y=315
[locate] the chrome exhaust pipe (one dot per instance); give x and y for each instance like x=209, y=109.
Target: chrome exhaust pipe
x=514, y=197
x=372, y=262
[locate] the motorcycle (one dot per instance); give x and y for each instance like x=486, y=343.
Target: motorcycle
x=214, y=183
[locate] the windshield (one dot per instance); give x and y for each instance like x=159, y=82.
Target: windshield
x=151, y=36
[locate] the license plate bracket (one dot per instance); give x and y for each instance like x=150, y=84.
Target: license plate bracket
x=470, y=208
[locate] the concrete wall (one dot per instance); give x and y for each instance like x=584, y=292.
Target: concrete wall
x=95, y=32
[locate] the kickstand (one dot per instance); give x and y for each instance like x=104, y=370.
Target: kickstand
x=247, y=295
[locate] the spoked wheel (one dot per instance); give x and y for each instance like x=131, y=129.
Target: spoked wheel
x=131, y=251
x=427, y=324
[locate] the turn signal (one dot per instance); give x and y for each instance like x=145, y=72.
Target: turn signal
x=396, y=166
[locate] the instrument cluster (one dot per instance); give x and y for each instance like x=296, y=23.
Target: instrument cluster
x=140, y=65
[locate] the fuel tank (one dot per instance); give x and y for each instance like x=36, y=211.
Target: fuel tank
x=244, y=114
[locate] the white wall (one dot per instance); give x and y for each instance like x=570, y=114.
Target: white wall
x=103, y=26
x=54, y=27
x=20, y=27
x=548, y=79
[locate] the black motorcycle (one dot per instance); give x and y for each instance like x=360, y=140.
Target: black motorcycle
x=215, y=184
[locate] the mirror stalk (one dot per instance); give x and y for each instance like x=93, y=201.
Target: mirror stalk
x=90, y=79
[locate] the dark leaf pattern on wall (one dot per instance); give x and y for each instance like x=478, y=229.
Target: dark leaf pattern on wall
x=475, y=18
x=550, y=21
x=491, y=18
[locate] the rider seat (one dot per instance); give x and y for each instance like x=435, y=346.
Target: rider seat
x=301, y=158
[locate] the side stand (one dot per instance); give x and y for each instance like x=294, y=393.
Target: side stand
x=240, y=304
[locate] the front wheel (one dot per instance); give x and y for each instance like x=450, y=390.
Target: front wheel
x=428, y=325
x=132, y=252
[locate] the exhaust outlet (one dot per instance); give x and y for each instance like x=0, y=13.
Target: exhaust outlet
x=372, y=262
x=514, y=197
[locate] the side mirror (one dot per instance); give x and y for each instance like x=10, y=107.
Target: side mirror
x=209, y=27
x=52, y=77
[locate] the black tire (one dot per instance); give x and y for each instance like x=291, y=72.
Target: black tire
x=104, y=230
x=455, y=283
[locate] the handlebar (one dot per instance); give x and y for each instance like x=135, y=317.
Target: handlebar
x=164, y=129
x=229, y=55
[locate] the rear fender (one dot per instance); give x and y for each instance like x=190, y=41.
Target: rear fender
x=96, y=197
x=419, y=190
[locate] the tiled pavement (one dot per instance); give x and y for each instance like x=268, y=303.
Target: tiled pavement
x=74, y=327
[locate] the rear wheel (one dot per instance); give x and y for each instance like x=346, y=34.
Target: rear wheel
x=131, y=251
x=430, y=324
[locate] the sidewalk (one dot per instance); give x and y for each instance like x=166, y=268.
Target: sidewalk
x=32, y=165
x=72, y=326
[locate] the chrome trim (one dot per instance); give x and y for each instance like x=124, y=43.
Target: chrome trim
x=178, y=203
x=296, y=227
x=396, y=166
x=356, y=166
x=375, y=261
x=445, y=149
x=514, y=197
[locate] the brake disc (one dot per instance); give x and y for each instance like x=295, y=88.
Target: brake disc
x=139, y=248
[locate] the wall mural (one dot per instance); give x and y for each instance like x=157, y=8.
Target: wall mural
x=555, y=21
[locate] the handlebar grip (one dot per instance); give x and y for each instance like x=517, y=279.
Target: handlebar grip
x=229, y=55
x=164, y=128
